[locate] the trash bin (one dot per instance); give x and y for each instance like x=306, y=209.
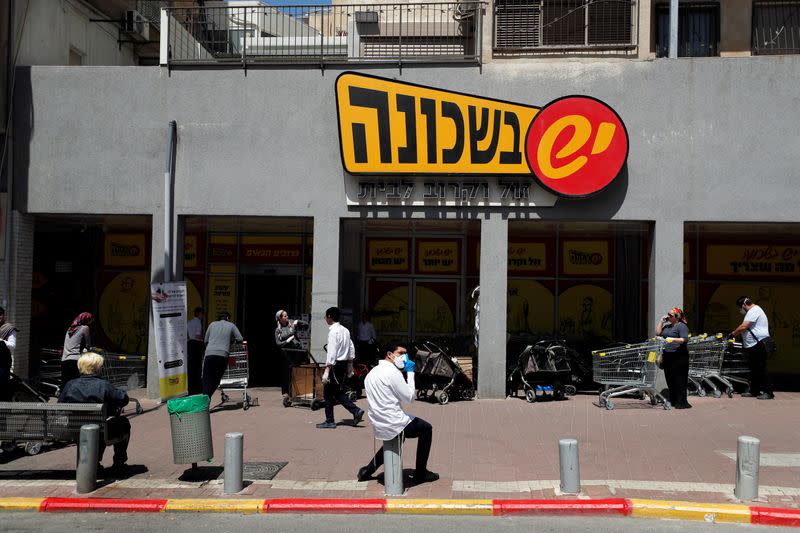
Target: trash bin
x=190, y=423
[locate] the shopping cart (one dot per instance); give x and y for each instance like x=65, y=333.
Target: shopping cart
x=237, y=375
x=628, y=369
x=543, y=370
x=735, y=367
x=126, y=372
x=706, y=353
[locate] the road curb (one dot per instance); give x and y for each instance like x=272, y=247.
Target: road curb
x=638, y=508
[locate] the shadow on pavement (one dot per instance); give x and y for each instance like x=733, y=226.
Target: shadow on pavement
x=201, y=473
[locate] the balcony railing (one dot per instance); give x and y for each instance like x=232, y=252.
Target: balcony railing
x=776, y=27
x=319, y=34
x=565, y=27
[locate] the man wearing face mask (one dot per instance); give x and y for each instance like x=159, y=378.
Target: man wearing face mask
x=754, y=328
x=386, y=390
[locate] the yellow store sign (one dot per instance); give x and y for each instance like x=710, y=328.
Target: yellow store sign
x=387, y=255
x=124, y=249
x=753, y=260
x=527, y=256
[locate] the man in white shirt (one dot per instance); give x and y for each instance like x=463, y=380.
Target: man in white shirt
x=386, y=390
x=365, y=341
x=753, y=329
x=195, y=348
x=8, y=342
x=338, y=367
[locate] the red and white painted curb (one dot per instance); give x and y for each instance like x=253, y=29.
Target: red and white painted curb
x=609, y=506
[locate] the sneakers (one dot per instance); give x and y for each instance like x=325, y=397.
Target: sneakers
x=427, y=477
x=766, y=396
x=364, y=473
x=326, y=425
x=358, y=417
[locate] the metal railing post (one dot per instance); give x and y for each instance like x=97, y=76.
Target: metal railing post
x=244, y=40
x=569, y=466
x=400, y=41
x=747, y=462
x=88, y=447
x=234, y=467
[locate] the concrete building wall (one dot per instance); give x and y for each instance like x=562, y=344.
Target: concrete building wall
x=702, y=133
x=51, y=28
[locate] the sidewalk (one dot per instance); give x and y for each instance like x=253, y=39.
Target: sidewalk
x=483, y=449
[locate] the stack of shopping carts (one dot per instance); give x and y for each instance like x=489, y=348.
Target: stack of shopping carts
x=706, y=353
x=629, y=369
x=735, y=367
x=126, y=372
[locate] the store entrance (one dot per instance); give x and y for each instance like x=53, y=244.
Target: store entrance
x=262, y=294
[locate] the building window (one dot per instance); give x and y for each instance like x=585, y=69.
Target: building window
x=698, y=30
x=776, y=27
x=564, y=25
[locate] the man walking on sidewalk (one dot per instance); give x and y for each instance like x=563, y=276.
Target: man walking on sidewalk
x=386, y=390
x=338, y=367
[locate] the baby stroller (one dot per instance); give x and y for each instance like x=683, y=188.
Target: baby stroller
x=353, y=386
x=439, y=375
x=543, y=370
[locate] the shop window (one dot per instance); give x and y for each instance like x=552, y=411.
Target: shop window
x=567, y=25
x=776, y=27
x=698, y=30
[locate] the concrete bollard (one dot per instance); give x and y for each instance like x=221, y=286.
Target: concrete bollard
x=393, y=466
x=569, y=466
x=88, y=447
x=234, y=467
x=748, y=459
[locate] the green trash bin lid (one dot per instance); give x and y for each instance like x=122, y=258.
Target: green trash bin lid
x=189, y=404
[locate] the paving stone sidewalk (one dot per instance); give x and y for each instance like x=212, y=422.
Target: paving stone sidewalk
x=482, y=449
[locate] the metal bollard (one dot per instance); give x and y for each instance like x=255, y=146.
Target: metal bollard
x=393, y=466
x=569, y=466
x=88, y=447
x=747, y=462
x=234, y=468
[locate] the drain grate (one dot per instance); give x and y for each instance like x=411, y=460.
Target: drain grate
x=262, y=470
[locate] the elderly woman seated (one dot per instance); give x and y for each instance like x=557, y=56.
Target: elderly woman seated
x=91, y=388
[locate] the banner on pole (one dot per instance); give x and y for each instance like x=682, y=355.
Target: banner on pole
x=169, y=317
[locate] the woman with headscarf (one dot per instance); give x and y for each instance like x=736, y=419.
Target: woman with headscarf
x=672, y=327
x=285, y=338
x=77, y=340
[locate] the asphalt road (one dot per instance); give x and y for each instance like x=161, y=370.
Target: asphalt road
x=289, y=523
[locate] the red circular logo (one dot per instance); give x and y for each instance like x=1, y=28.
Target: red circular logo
x=576, y=146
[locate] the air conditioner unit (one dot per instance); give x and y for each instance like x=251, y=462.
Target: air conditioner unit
x=135, y=25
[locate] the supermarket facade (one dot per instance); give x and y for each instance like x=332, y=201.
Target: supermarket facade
x=283, y=200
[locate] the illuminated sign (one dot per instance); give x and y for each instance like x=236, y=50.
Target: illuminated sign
x=573, y=147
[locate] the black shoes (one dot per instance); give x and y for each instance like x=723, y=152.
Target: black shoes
x=364, y=473
x=766, y=396
x=326, y=425
x=683, y=406
x=358, y=417
x=426, y=477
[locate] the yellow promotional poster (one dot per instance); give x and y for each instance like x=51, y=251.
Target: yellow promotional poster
x=434, y=314
x=585, y=258
x=221, y=295
x=438, y=257
x=190, y=252
x=526, y=257
x=529, y=308
x=753, y=260
x=586, y=311
x=387, y=255
x=390, y=310
x=124, y=249
x=574, y=146
x=124, y=310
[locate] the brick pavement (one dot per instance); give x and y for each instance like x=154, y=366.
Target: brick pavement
x=482, y=449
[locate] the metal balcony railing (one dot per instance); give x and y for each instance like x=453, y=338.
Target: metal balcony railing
x=565, y=27
x=319, y=34
x=776, y=27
